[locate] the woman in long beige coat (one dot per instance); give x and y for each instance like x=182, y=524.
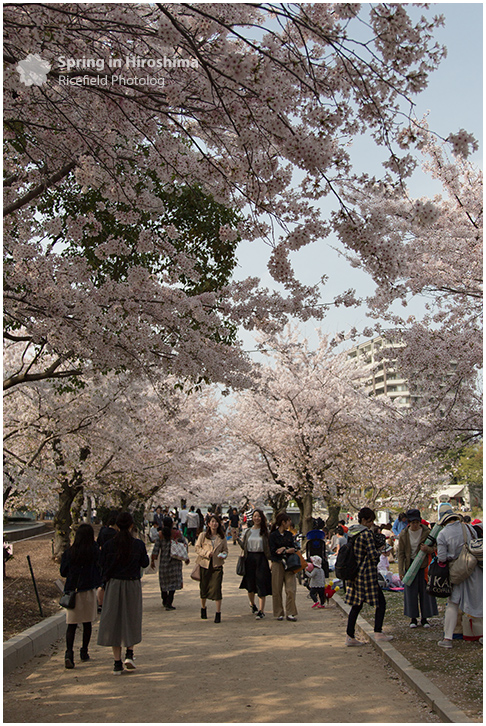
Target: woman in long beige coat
x=211, y=551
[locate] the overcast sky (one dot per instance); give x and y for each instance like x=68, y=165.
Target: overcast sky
x=453, y=100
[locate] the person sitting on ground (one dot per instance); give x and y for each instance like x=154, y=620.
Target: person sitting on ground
x=317, y=581
x=365, y=587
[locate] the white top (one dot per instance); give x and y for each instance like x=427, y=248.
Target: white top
x=254, y=542
x=415, y=538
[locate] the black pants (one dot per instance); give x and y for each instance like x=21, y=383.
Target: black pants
x=379, y=615
x=168, y=597
x=71, y=632
x=317, y=591
x=191, y=535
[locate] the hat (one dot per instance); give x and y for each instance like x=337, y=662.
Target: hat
x=449, y=517
x=316, y=561
x=413, y=515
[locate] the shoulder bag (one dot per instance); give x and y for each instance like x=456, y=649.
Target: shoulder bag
x=196, y=573
x=463, y=566
x=178, y=550
x=439, y=584
x=68, y=598
x=240, y=566
x=292, y=562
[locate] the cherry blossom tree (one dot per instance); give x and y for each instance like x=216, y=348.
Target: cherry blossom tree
x=430, y=248
x=233, y=99
x=119, y=438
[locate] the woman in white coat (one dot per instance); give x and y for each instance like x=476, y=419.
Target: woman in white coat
x=468, y=595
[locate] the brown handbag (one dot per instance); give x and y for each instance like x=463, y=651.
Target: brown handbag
x=196, y=573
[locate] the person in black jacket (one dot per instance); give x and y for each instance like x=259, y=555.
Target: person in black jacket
x=122, y=560
x=282, y=543
x=80, y=567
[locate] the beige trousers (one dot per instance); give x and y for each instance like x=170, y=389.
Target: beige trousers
x=280, y=578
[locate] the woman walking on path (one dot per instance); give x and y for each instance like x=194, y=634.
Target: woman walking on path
x=411, y=542
x=170, y=569
x=282, y=543
x=80, y=567
x=467, y=595
x=256, y=551
x=365, y=587
x=211, y=550
x=122, y=560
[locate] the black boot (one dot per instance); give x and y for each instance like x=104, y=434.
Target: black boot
x=69, y=659
x=204, y=614
x=83, y=654
x=217, y=618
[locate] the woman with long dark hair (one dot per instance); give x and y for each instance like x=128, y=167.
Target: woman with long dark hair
x=122, y=560
x=256, y=551
x=170, y=569
x=80, y=567
x=282, y=543
x=211, y=550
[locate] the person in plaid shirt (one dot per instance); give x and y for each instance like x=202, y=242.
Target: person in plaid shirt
x=365, y=587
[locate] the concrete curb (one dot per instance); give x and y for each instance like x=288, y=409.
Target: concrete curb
x=21, y=648
x=439, y=703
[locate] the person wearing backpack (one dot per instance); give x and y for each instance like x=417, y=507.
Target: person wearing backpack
x=364, y=586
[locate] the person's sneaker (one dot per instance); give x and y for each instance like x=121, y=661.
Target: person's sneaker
x=170, y=607
x=321, y=607
x=254, y=608
x=413, y=624
x=382, y=637
x=352, y=642
x=130, y=660
x=260, y=615
x=425, y=624
x=445, y=643
x=117, y=668
x=280, y=617
x=291, y=617
x=83, y=654
x=316, y=605
x=69, y=659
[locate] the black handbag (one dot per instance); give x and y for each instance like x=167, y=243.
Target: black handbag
x=240, y=566
x=68, y=600
x=291, y=562
x=439, y=584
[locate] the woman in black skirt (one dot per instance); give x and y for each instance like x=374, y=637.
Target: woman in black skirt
x=256, y=551
x=211, y=550
x=122, y=560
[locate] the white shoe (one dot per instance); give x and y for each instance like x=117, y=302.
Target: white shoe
x=445, y=643
x=280, y=617
x=382, y=637
x=352, y=642
x=291, y=617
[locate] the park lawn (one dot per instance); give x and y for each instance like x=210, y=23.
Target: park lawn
x=457, y=672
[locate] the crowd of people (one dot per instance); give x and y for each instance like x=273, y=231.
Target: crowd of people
x=106, y=573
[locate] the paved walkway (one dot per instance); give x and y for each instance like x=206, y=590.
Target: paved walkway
x=242, y=670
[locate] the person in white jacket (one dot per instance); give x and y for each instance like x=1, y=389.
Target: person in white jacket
x=468, y=595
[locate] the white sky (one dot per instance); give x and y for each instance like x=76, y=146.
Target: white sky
x=452, y=100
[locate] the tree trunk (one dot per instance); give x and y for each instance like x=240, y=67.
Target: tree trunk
x=333, y=507
x=63, y=520
x=76, y=507
x=305, y=507
x=278, y=502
